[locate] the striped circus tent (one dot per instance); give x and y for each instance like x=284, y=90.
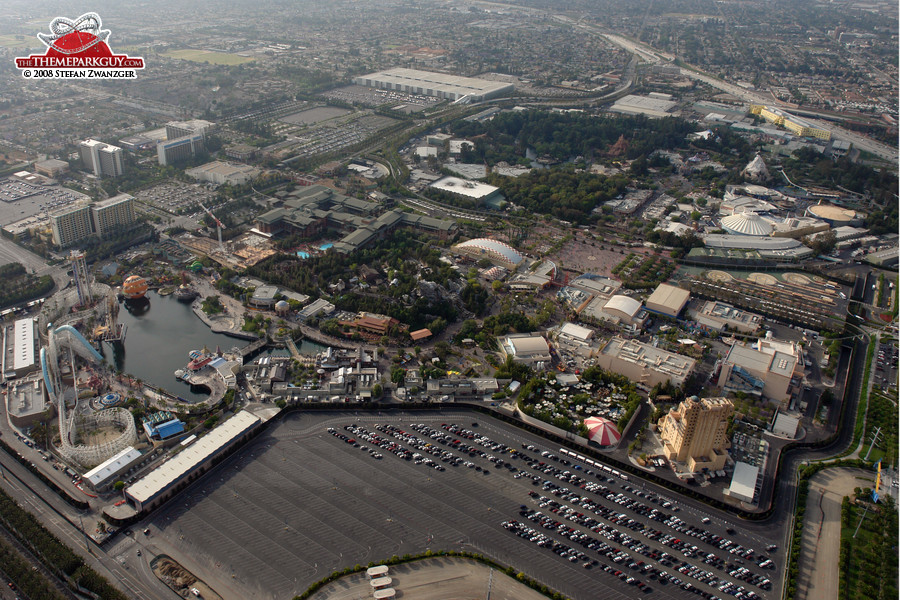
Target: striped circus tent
x=602, y=431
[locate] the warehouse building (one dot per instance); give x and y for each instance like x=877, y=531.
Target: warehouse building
x=176, y=473
x=744, y=482
x=644, y=364
x=644, y=105
x=526, y=348
x=482, y=193
x=571, y=333
x=618, y=309
x=51, y=167
x=798, y=227
x=219, y=172
x=764, y=369
x=106, y=473
x=438, y=85
x=667, y=300
x=19, y=357
x=26, y=403
x=719, y=316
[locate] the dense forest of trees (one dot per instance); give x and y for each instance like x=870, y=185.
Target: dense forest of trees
x=562, y=192
x=55, y=555
x=564, y=136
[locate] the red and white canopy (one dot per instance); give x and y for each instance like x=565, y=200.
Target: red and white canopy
x=602, y=431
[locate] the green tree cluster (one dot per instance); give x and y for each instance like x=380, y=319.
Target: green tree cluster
x=564, y=192
x=56, y=555
x=405, y=259
x=17, y=285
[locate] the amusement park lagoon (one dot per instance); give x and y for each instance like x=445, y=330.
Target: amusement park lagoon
x=160, y=333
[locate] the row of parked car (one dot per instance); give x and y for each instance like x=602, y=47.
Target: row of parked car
x=568, y=552
x=372, y=452
x=620, y=557
x=622, y=520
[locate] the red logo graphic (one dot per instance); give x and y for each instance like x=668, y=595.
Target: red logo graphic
x=78, y=49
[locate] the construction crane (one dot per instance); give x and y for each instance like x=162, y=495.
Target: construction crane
x=218, y=226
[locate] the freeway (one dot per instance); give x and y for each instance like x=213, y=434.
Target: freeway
x=654, y=57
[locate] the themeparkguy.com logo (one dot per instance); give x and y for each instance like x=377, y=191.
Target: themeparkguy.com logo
x=78, y=49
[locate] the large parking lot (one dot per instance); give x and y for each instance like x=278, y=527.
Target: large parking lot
x=177, y=197
x=20, y=199
x=322, y=491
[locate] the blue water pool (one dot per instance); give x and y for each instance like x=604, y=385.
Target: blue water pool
x=302, y=254
x=324, y=247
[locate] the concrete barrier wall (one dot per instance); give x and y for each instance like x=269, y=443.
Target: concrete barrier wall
x=551, y=428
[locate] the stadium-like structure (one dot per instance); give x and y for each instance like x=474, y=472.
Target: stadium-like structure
x=496, y=252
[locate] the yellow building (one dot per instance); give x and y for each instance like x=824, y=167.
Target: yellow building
x=694, y=433
x=790, y=122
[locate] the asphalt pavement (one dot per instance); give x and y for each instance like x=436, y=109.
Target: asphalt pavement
x=299, y=503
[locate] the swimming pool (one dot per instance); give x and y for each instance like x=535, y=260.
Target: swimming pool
x=324, y=247
x=302, y=254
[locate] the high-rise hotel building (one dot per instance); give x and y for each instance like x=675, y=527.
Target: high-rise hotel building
x=102, y=159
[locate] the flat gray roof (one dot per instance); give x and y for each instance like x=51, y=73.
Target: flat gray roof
x=464, y=187
x=107, y=469
x=443, y=82
x=676, y=365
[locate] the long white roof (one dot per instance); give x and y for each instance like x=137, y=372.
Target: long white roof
x=23, y=341
x=107, y=469
x=443, y=82
x=184, y=462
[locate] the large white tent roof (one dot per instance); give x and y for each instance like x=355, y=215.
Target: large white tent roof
x=747, y=223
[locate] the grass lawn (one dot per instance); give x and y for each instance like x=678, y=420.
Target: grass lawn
x=213, y=58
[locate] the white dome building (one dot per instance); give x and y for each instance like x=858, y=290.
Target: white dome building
x=747, y=223
x=496, y=252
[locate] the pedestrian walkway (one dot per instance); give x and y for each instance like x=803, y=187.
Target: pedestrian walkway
x=820, y=543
